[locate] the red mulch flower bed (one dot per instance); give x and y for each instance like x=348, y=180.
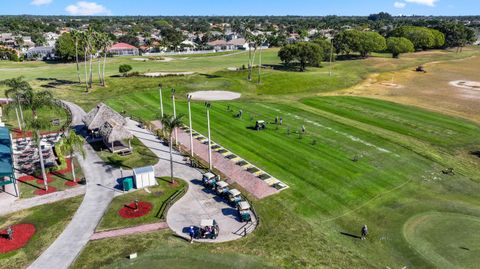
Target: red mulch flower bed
x=27, y=178
x=21, y=235
x=49, y=179
x=129, y=212
x=70, y=183
x=43, y=192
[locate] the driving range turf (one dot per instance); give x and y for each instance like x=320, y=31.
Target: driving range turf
x=361, y=161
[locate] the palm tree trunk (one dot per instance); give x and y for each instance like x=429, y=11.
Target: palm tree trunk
x=99, y=71
x=21, y=114
x=18, y=119
x=76, y=60
x=259, y=65
x=249, y=63
x=171, y=159
x=103, y=72
x=73, y=167
x=91, y=71
x=86, y=74
x=42, y=164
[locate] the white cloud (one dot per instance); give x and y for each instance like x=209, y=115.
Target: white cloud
x=399, y=5
x=40, y=2
x=423, y=2
x=87, y=8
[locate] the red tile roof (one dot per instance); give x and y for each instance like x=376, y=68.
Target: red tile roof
x=122, y=46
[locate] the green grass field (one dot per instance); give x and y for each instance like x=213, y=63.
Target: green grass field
x=361, y=161
x=49, y=221
x=157, y=196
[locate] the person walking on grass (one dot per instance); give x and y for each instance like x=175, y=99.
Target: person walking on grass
x=364, y=232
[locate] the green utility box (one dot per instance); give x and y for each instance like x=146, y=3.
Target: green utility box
x=127, y=183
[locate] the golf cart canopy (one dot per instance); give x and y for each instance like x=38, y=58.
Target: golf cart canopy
x=222, y=184
x=207, y=222
x=244, y=205
x=260, y=121
x=208, y=175
x=234, y=192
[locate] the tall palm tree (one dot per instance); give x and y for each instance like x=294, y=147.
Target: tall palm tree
x=85, y=42
x=252, y=42
x=106, y=44
x=16, y=89
x=72, y=143
x=169, y=124
x=76, y=37
x=35, y=101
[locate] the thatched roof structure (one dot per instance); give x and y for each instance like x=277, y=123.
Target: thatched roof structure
x=102, y=113
x=111, y=132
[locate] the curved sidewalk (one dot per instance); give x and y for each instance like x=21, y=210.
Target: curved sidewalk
x=197, y=203
x=99, y=193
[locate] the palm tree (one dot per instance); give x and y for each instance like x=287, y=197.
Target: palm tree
x=35, y=101
x=16, y=89
x=76, y=37
x=169, y=124
x=85, y=42
x=252, y=42
x=106, y=43
x=72, y=143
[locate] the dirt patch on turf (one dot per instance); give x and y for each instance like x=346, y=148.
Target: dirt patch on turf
x=433, y=90
x=215, y=95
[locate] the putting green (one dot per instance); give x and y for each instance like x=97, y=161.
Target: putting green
x=447, y=240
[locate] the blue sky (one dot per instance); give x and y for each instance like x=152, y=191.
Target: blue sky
x=242, y=7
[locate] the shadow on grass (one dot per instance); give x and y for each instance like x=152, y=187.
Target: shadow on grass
x=475, y=153
x=29, y=184
x=210, y=76
x=350, y=235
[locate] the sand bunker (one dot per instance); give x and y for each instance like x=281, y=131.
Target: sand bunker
x=140, y=59
x=166, y=74
x=466, y=84
x=215, y=95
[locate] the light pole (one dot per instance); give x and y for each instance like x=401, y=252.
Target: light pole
x=208, y=105
x=174, y=115
x=189, y=97
x=161, y=99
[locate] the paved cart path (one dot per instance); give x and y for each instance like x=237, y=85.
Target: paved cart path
x=197, y=203
x=8, y=206
x=99, y=193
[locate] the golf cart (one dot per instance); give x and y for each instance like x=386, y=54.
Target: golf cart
x=260, y=125
x=243, y=208
x=209, y=180
x=222, y=188
x=234, y=196
x=208, y=229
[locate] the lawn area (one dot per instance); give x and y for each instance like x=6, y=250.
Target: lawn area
x=360, y=161
x=27, y=188
x=47, y=114
x=49, y=221
x=141, y=155
x=157, y=196
x=172, y=252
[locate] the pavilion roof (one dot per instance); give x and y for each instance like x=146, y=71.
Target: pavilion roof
x=102, y=113
x=6, y=159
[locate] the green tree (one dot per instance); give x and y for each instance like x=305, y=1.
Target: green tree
x=16, y=89
x=421, y=37
x=457, y=35
x=169, y=124
x=439, y=38
x=124, y=69
x=305, y=53
x=65, y=47
x=347, y=41
x=326, y=46
x=70, y=144
x=370, y=42
x=398, y=45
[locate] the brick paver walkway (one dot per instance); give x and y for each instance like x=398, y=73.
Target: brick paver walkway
x=131, y=230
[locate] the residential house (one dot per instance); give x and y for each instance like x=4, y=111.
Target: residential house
x=121, y=49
